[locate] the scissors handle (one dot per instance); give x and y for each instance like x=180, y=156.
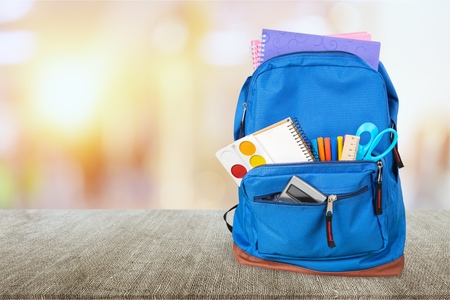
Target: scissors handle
x=363, y=149
x=375, y=142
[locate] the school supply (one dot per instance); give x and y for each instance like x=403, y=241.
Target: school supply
x=241, y=156
x=256, y=45
x=350, y=148
x=327, y=147
x=365, y=150
x=276, y=42
x=321, y=147
x=281, y=142
x=334, y=148
x=360, y=229
x=340, y=146
x=361, y=35
x=285, y=142
x=315, y=148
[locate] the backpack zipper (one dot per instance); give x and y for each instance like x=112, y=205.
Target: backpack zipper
x=329, y=212
x=323, y=52
x=329, y=209
x=329, y=217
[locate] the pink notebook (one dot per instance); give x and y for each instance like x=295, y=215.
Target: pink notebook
x=354, y=35
x=256, y=53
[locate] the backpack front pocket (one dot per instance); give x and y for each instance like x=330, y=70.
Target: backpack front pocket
x=344, y=225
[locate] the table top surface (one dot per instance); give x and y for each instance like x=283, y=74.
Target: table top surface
x=167, y=254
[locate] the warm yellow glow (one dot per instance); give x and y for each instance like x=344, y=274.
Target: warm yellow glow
x=67, y=94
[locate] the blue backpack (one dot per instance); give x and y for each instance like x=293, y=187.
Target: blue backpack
x=361, y=232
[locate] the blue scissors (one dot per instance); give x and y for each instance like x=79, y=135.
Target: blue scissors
x=365, y=151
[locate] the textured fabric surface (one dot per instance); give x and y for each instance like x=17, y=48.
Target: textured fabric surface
x=169, y=254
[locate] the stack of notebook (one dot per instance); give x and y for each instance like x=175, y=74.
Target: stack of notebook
x=276, y=42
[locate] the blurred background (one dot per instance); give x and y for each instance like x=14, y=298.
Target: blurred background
x=123, y=104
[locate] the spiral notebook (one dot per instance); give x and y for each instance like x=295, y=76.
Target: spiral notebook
x=285, y=142
x=280, y=42
x=277, y=42
x=256, y=53
x=282, y=142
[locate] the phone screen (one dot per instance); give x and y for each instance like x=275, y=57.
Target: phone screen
x=296, y=193
x=298, y=190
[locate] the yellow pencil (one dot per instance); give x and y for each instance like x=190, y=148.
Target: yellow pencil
x=340, y=142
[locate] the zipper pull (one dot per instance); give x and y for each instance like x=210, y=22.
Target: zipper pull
x=330, y=200
x=241, y=129
x=397, y=157
x=329, y=217
x=379, y=203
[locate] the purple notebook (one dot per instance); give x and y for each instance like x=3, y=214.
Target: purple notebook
x=275, y=42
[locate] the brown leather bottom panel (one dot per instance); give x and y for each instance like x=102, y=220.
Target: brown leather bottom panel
x=390, y=269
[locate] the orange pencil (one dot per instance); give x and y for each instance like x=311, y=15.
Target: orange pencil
x=321, y=147
x=327, y=146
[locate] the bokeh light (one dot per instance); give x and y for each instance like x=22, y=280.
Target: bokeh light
x=123, y=104
x=66, y=94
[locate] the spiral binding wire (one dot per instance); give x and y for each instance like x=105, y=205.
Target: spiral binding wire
x=257, y=49
x=256, y=53
x=263, y=45
x=302, y=140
